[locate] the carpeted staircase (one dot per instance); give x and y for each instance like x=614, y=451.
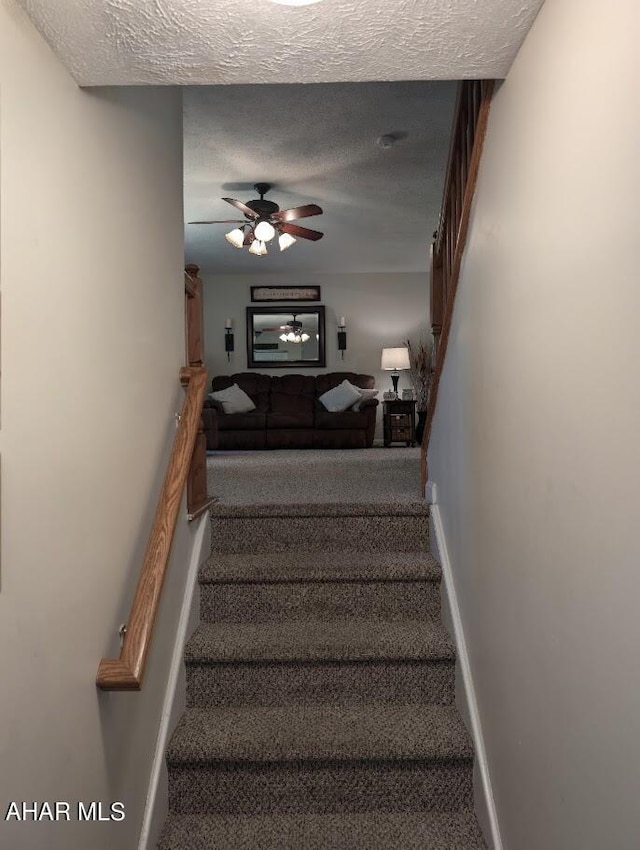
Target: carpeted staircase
x=320, y=688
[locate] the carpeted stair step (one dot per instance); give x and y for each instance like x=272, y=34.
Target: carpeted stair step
x=261, y=601
x=317, y=661
x=317, y=759
x=274, y=602
x=231, y=568
x=325, y=585
x=371, y=831
x=320, y=528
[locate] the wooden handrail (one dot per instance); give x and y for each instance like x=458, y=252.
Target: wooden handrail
x=125, y=673
x=467, y=138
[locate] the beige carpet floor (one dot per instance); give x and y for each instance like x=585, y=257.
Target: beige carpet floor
x=315, y=476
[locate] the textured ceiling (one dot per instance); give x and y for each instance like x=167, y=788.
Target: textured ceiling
x=316, y=144
x=195, y=42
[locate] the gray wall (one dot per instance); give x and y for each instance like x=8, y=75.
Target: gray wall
x=535, y=445
x=382, y=310
x=92, y=341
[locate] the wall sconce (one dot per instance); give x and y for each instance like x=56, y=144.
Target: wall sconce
x=228, y=337
x=342, y=335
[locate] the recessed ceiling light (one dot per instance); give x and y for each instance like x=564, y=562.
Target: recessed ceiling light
x=295, y=2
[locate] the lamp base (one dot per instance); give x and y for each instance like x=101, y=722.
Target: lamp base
x=395, y=377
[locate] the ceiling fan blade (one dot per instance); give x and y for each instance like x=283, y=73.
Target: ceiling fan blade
x=301, y=232
x=242, y=207
x=223, y=221
x=248, y=237
x=298, y=212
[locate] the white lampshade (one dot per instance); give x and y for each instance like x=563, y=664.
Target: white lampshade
x=264, y=231
x=286, y=240
x=394, y=359
x=258, y=248
x=236, y=237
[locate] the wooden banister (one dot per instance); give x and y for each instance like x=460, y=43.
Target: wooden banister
x=125, y=673
x=469, y=129
x=197, y=499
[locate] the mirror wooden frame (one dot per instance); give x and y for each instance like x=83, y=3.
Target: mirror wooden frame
x=320, y=363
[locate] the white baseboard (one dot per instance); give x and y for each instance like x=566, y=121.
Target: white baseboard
x=154, y=812
x=484, y=801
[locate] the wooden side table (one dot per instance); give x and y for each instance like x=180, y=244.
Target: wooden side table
x=399, y=422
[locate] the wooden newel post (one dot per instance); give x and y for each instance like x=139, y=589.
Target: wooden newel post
x=197, y=498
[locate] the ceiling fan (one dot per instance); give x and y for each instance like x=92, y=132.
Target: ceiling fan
x=263, y=220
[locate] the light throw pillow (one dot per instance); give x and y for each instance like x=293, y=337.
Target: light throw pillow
x=233, y=400
x=364, y=395
x=340, y=398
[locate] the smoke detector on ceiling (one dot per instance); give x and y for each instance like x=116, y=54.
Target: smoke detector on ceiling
x=386, y=142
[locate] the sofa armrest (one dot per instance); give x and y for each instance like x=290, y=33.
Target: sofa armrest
x=210, y=424
x=213, y=404
x=369, y=408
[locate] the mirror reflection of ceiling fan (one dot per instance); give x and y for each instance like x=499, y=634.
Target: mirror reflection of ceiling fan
x=263, y=220
x=292, y=331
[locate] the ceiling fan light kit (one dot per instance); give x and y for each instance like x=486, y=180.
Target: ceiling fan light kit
x=258, y=248
x=263, y=220
x=264, y=231
x=235, y=237
x=286, y=240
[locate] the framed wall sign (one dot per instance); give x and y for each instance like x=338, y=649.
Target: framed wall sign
x=285, y=293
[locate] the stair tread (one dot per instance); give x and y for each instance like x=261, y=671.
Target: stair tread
x=370, y=831
x=320, y=566
x=353, y=639
x=320, y=733
x=315, y=509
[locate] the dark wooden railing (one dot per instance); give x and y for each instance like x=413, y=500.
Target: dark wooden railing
x=125, y=673
x=469, y=128
x=197, y=498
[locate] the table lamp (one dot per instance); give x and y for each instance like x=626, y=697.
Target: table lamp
x=393, y=360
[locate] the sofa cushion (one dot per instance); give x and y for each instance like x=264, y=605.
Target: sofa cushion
x=290, y=420
x=344, y=420
x=254, y=384
x=365, y=395
x=233, y=400
x=332, y=379
x=253, y=421
x=341, y=397
x=293, y=395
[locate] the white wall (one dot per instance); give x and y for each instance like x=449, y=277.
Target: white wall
x=535, y=446
x=382, y=310
x=92, y=341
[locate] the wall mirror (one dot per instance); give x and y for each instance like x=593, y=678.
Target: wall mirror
x=285, y=337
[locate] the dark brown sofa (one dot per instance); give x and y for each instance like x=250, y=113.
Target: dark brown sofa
x=288, y=414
